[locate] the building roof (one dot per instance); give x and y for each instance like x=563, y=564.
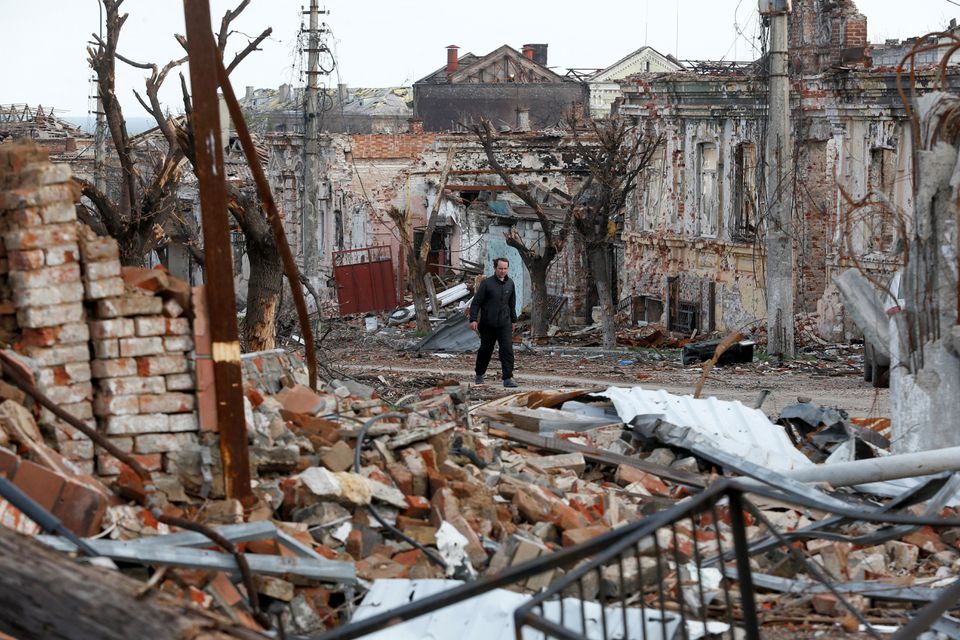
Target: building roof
x=503, y=64
x=376, y=101
x=637, y=62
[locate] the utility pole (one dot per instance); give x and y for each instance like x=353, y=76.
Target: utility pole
x=313, y=227
x=779, y=265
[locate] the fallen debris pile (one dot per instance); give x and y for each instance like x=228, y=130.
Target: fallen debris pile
x=352, y=490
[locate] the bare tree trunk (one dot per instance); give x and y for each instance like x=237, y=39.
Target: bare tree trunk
x=598, y=257
x=538, y=297
x=263, y=293
x=415, y=273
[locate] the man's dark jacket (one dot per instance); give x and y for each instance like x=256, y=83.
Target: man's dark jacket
x=495, y=302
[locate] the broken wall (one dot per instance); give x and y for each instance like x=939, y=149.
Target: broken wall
x=110, y=347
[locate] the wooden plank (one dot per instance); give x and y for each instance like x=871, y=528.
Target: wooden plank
x=594, y=455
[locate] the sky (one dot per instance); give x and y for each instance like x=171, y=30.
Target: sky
x=380, y=43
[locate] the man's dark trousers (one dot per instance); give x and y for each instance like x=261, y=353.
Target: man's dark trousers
x=490, y=336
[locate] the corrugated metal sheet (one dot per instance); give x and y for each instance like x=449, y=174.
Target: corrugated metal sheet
x=728, y=426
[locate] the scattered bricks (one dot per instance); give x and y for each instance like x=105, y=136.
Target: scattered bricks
x=70, y=394
x=132, y=425
x=531, y=505
x=132, y=347
x=55, y=294
x=167, y=403
x=51, y=316
x=572, y=461
x=339, y=457
x=178, y=343
x=41, y=484
x=129, y=306
x=97, y=248
x=620, y=583
x=33, y=196
x=402, y=478
x=867, y=564
x=275, y=588
x=54, y=256
x=45, y=277
x=161, y=326
x=80, y=508
x=565, y=517
x=26, y=260
x=107, y=465
x=627, y=475
x=417, y=507
x=573, y=537
x=114, y=368
x=101, y=289
x=925, y=538
x=116, y=328
x=77, y=449
x=825, y=604
x=418, y=471
x=161, y=365
x=53, y=356
x=902, y=556
x=101, y=270
x=108, y=405
x=132, y=385
x=184, y=422
x=180, y=382
x=163, y=442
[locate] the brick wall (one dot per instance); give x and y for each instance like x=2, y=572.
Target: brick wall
x=377, y=146
x=110, y=345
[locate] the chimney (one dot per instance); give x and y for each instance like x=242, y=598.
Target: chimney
x=528, y=52
x=249, y=93
x=539, y=53
x=523, y=119
x=415, y=126
x=452, y=60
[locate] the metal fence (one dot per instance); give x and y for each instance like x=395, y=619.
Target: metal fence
x=711, y=566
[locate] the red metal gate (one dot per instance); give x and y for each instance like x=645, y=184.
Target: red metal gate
x=364, y=279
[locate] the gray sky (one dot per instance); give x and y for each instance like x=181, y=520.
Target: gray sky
x=392, y=42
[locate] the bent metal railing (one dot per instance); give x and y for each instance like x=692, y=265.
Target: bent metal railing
x=685, y=572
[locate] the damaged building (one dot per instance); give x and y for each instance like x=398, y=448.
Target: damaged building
x=692, y=249
x=512, y=89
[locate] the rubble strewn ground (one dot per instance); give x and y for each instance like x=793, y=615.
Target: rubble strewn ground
x=404, y=473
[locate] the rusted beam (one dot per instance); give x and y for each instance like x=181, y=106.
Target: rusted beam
x=270, y=207
x=219, y=258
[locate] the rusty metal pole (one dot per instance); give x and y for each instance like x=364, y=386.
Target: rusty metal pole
x=217, y=248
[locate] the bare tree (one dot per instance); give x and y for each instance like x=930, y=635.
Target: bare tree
x=614, y=157
x=416, y=259
x=554, y=234
x=143, y=214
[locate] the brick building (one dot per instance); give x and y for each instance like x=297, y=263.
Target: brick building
x=513, y=90
x=693, y=249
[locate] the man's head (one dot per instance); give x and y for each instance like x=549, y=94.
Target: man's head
x=500, y=266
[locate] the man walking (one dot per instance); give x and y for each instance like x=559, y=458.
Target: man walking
x=493, y=314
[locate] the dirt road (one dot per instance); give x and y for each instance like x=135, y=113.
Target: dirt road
x=835, y=382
